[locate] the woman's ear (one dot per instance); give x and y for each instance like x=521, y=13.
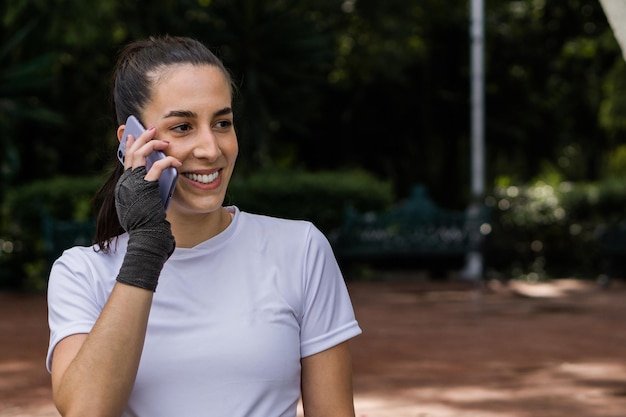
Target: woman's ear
x=120, y=132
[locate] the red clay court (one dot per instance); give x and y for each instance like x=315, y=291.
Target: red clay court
x=429, y=349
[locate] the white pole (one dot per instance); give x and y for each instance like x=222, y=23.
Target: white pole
x=474, y=262
x=477, y=98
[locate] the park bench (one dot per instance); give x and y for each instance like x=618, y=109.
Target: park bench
x=612, y=240
x=415, y=229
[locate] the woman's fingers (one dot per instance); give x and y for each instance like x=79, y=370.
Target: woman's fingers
x=159, y=166
x=138, y=149
x=135, y=148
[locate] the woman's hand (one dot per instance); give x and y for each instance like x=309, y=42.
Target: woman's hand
x=138, y=149
x=141, y=213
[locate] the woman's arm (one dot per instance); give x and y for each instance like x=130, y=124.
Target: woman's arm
x=327, y=383
x=93, y=374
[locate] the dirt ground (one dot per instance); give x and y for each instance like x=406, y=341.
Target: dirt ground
x=429, y=349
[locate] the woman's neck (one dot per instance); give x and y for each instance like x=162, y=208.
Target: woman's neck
x=190, y=230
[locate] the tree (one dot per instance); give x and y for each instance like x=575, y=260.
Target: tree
x=546, y=63
x=329, y=83
x=20, y=81
x=398, y=99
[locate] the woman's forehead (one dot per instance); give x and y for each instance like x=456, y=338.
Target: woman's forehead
x=190, y=88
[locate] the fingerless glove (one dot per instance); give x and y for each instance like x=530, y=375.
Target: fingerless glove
x=150, y=243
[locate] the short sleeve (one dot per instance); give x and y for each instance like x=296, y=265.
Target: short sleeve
x=328, y=317
x=74, y=299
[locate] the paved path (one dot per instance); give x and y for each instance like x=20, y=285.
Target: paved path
x=428, y=350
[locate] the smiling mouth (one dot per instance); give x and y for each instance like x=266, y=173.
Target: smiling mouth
x=204, y=178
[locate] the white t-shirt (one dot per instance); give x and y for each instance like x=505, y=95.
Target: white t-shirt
x=230, y=320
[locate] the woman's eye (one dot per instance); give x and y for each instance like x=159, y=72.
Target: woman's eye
x=224, y=124
x=184, y=128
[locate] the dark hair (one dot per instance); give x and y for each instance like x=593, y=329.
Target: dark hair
x=138, y=66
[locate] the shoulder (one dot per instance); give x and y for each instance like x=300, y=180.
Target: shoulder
x=279, y=226
x=293, y=238
x=88, y=264
x=93, y=254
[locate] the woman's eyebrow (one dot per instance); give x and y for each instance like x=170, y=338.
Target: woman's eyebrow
x=222, y=112
x=181, y=113
x=191, y=115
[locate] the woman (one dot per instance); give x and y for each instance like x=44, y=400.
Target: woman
x=250, y=313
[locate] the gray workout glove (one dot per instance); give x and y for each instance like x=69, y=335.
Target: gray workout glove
x=141, y=214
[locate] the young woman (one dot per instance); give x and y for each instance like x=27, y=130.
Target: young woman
x=250, y=314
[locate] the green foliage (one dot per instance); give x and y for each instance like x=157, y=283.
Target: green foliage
x=20, y=80
x=547, y=62
x=320, y=197
x=335, y=85
x=379, y=40
x=274, y=46
x=327, y=84
x=397, y=101
x=23, y=258
x=80, y=40
x=542, y=230
x=612, y=114
x=67, y=198
x=615, y=165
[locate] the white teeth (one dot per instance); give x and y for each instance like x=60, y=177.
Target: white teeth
x=205, y=179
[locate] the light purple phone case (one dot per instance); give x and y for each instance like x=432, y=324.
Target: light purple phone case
x=167, y=180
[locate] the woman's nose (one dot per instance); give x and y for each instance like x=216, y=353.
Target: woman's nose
x=207, y=146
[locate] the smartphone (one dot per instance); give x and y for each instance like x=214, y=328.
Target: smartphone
x=167, y=180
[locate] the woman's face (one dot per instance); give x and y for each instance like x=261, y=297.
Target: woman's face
x=191, y=108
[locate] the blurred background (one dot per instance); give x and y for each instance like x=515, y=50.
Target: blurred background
x=341, y=104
